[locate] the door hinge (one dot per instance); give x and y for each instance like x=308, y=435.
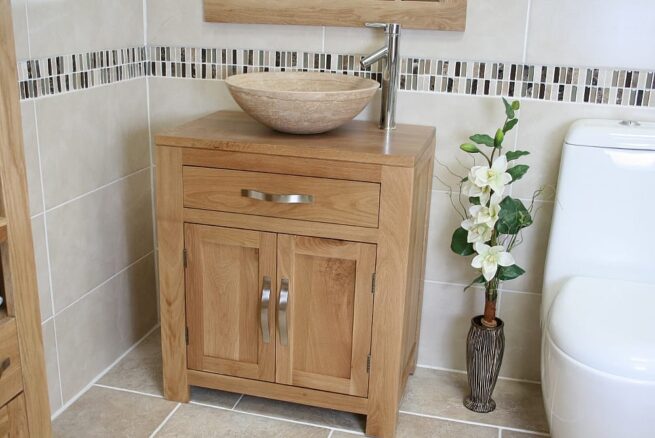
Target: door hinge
x=373, y=285
x=185, y=256
x=186, y=335
x=368, y=363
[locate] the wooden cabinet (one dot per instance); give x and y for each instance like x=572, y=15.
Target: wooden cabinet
x=291, y=267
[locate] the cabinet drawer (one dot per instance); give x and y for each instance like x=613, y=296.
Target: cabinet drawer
x=284, y=196
x=11, y=382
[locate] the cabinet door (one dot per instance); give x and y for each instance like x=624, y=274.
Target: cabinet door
x=324, y=331
x=230, y=277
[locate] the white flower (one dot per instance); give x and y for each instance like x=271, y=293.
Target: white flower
x=489, y=258
x=485, y=215
x=472, y=191
x=477, y=232
x=495, y=177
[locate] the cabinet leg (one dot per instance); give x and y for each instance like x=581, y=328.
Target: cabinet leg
x=384, y=427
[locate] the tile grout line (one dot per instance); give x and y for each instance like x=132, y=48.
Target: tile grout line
x=527, y=30
x=45, y=227
x=163, y=423
x=95, y=288
x=471, y=423
x=74, y=398
x=235, y=405
x=131, y=391
x=452, y=370
x=447, y=283
x=97, y=189
x=270, y=417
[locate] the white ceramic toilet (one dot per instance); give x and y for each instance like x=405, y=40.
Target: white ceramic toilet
x=598, y=308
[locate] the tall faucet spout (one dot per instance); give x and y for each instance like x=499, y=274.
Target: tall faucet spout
x=390, y=57
x=374, y=57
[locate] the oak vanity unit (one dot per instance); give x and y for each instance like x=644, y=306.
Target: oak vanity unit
x=291, y=267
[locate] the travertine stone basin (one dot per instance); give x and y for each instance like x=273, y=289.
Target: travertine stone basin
x=299, y=102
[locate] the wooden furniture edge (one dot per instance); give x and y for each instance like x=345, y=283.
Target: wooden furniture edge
x=449, y=15
x=170, y=231
x=293, y=394
x=21, y=276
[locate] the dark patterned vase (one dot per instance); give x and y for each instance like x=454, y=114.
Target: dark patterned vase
x=484, y=354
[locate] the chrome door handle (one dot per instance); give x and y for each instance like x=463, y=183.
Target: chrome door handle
x=278, y=199
x=282, y=312
x=263, y=310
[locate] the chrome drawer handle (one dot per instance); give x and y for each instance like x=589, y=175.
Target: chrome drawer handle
x=278, y=199
x=4, y=365
x=282, y=312
x=263, y=310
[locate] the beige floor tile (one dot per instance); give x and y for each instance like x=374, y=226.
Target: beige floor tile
x=413, y=426
x=141, y=369
x=512, y=434
x=214, y=397
x=108, y=413
x=201, y=421
x=309, y=414
x=440, y=393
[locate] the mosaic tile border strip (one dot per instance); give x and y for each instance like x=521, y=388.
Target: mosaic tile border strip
x=541, y=82
x=61, y=74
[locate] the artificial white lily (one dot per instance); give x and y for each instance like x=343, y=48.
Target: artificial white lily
x=485, y=215
x=489, y=258
x=495, y=177
x=477, y=232
x=472, y=191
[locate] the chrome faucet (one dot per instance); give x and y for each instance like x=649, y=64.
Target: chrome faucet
x=390, y=73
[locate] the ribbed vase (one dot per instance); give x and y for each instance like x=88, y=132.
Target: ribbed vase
x=484, y=354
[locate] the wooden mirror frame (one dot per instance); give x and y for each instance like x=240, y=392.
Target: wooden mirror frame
x=411, y=14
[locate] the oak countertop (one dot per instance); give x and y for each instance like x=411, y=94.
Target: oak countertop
x=357, y=141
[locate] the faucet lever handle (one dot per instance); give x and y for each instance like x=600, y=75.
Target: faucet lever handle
x=376, y=25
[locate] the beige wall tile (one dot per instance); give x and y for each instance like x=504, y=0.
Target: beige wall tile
x=497, y=39
x=447, y=313
x=19, y=12
x=176, y=101
x=51, y=365
x=59, y=27
x=42, y=271
x=531, y=254
x=92, y=238
x=31, y=150
x=180, y=23
x=542, y=130
x=104, y=412
x=95, y=331
x=91, y=138
x=520, y=313
x=611, y=34
x=456, y=118
x=190, y=420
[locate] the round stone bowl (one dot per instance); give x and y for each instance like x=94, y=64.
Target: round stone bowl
x=300, y=102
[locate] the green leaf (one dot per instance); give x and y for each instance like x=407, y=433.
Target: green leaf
x=515, y=155
x=474, y=201
x=483, y=139
x=516, y=105
x=498, y=140
x=470, y=148
x=510, y=125
x=478, y=280
x=459, y=245
x=518, y=171
x=509, y=109
x=513, y=216
x=506, y=273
